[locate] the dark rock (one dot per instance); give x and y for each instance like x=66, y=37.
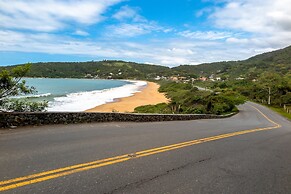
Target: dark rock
x=44, y=118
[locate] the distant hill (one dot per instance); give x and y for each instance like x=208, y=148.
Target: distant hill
x=281, y=56
x=204, y=69
x=100, y=69
x=278, y=61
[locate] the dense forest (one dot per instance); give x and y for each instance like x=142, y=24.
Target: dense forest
x=96, y=69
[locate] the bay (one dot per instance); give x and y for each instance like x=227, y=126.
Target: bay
x=70, y=95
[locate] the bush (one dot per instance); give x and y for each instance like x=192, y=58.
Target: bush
x=161, y=108
x=11, y=84
x=196, y=109
x=23, y=106
x=186, y=99
x=221, y=108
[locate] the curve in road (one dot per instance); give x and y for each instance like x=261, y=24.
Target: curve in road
x=77, y=168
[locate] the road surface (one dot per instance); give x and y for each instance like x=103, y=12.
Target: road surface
x=247, y=153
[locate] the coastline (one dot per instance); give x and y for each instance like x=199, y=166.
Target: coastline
x=149, y=95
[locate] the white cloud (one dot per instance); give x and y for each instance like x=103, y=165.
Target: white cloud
x=132, y=24
x=208, y=35
x=127, y=12
x=169, y=52
x=132, y=30
x=81, y=33
x=50, y=15
x=239, y=29
x=268, y=22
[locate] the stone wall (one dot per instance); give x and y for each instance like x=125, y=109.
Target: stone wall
x=47, y=118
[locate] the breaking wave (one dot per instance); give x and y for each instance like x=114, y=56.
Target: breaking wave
x=82, y=101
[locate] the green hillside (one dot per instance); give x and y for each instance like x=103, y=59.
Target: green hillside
x=100, y=69
x=205, y=69
x=281, y=56
x=277, y=61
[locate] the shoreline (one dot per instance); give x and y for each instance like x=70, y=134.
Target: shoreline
x=148, y=95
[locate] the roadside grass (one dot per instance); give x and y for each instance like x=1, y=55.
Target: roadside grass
x=281, y=111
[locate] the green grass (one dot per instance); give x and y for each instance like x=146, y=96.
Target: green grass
x=281, y=111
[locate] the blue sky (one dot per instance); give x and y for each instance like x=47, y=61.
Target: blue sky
x=165, y=32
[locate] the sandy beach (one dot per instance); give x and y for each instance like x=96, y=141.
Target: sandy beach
x=147, y=96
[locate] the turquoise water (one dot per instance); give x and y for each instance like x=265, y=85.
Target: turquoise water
x=60, y=87
x=80, y=94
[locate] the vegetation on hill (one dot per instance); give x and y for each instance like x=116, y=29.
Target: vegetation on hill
x=187, y=99
x=265, y=78
x=270, y=88
x=101, y=69
x=277, y=61
x=281, y=56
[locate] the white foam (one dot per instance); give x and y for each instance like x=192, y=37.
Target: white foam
x=82, y=101
x=39, y=95
x=33, y=95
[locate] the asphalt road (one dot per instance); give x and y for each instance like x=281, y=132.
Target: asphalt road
x=247, y=153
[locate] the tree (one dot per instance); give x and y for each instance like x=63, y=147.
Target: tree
x=11, y=84
x=273, y=83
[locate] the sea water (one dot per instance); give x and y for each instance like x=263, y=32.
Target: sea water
x=80, y=94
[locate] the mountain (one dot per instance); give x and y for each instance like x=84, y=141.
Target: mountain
x=100, y=69
x=281, y=56
x=278, y=61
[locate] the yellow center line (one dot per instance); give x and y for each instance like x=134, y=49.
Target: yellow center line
x=59, y=170
x=52, y=174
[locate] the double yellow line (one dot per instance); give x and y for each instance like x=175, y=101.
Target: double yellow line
x=52, y=174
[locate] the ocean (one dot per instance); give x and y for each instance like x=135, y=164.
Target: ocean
x=72, y=95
